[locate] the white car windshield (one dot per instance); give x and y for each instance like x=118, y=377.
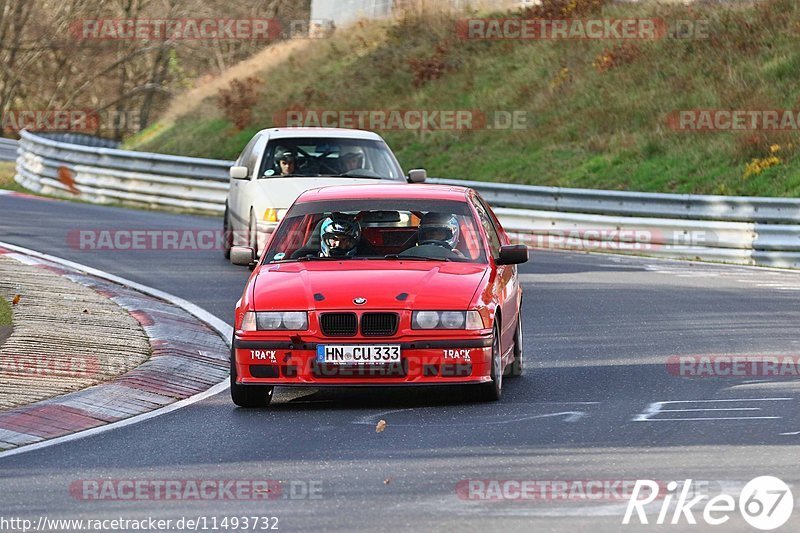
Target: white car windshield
x=320, y=157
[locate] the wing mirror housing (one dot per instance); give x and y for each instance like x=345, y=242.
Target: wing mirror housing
x=418, y=175
x=238, y=173
x=243, y=256
x=513, y=254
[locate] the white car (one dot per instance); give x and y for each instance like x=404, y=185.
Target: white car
x=279, y=164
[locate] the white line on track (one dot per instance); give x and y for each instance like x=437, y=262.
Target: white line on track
x=222, y=328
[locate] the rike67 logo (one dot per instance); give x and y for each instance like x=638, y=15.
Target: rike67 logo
x=766, y=503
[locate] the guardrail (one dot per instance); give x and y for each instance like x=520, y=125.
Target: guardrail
x=8, y=149
x=96, y=170
x=744, y=230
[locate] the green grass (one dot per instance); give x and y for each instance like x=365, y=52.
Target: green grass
x=5, y=320
x=7, y=171
x=5, y=312
x=587, y=127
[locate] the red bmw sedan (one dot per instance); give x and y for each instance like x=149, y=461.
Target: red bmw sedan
x=380, y=285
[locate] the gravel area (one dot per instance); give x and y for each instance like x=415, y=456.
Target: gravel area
x=66, y=336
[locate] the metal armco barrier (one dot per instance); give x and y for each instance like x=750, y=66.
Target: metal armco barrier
x=8, y=149
x=742, y=230
x=103, y=174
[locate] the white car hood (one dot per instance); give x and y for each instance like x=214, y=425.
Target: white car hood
x=282, y=192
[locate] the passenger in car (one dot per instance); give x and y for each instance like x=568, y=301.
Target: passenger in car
x=352, y=161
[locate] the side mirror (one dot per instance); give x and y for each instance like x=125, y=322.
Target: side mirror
x=243, y=256
x=513, y=254
x=418, y=175
x=238, y=173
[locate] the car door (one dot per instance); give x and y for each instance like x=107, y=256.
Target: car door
x=506, y=283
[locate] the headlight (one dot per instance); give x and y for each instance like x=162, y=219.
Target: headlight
x=453, y=319
x=272, y=321
x=425, y=320
x=470, y=320
x=295, y=321
x=274, y=215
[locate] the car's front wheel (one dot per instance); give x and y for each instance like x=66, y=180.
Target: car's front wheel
x=227, y=233
x=493, y=390
x=249, y=395
x=515, y=368
x=252, y=233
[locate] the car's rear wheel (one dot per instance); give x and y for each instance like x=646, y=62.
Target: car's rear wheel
x=227, y=234
x=493, y=390
x=515, y=368
x=249, y=395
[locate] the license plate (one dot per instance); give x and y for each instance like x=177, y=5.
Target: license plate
x=347, y=355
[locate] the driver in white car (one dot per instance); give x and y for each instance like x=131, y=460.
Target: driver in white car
x=286, y=161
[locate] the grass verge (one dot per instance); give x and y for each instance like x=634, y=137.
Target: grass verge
x=597, y=110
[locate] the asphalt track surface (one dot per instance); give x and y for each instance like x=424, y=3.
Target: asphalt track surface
x=598, y=332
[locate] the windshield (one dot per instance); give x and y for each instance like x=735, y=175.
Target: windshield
x=419, y=230
x=358, y=158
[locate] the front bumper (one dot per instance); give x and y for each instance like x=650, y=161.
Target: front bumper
x=422, y=362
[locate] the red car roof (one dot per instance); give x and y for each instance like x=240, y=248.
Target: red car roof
x=387, y=191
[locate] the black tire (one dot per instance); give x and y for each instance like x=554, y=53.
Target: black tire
x=493, y=390
x=252, y=233
x=227, y=235
x=249, y=396
x=515, y=369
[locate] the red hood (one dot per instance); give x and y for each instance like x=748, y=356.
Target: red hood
x=428, y=285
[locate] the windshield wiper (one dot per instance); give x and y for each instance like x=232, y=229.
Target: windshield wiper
x=352, y=174
x=316, y=258
x=415, y=258
x=322, y=258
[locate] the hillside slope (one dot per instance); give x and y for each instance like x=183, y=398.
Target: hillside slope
x=597, y=111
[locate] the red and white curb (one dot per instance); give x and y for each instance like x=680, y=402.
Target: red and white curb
x=189, y=362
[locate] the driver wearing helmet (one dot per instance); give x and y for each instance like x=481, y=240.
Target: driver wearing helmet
x=439, y=229
x=339, y=236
